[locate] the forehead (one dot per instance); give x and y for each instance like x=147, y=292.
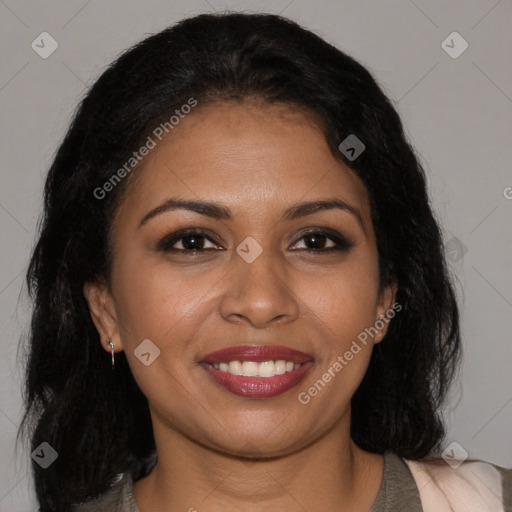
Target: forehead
x=249, y=156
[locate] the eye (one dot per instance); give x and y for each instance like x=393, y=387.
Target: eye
x=187, y=240
x=195, y=240
x=323, y=240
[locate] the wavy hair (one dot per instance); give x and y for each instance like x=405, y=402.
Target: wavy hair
x=98, y=420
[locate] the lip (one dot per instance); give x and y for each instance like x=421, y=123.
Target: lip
x=257, y=387
x=257, y=353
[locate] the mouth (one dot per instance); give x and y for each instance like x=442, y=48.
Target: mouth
x=257, y=371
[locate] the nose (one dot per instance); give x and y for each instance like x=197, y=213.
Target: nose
x=259, y=293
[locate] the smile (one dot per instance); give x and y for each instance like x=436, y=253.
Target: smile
x=257, y=371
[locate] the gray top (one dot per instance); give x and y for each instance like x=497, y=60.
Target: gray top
x=398, y=492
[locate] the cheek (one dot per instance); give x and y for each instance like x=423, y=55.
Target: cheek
x=344, y=300
x=153, y=300
x=343, y=308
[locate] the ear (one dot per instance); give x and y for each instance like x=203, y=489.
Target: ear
x=103, y=314
x=386, y=310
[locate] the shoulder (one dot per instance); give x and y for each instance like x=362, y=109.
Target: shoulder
x=472, y=486
x=119, y=498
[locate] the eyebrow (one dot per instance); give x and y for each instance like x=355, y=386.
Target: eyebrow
x=217, y=211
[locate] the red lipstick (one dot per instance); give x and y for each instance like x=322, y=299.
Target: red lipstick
x=257, y=386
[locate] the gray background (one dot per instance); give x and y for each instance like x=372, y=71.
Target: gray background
x=457, y=113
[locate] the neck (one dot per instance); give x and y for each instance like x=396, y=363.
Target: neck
x=330, y=474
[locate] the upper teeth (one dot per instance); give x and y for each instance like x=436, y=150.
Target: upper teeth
x=254, y=369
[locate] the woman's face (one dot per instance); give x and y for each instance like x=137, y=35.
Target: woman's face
x=263, y=271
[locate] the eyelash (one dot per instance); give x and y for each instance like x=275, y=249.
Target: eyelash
x=165, y=245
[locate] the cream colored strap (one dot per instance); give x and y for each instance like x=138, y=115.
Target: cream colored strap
x=473, y=487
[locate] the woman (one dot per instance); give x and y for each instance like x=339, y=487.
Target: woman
x=241, y=297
